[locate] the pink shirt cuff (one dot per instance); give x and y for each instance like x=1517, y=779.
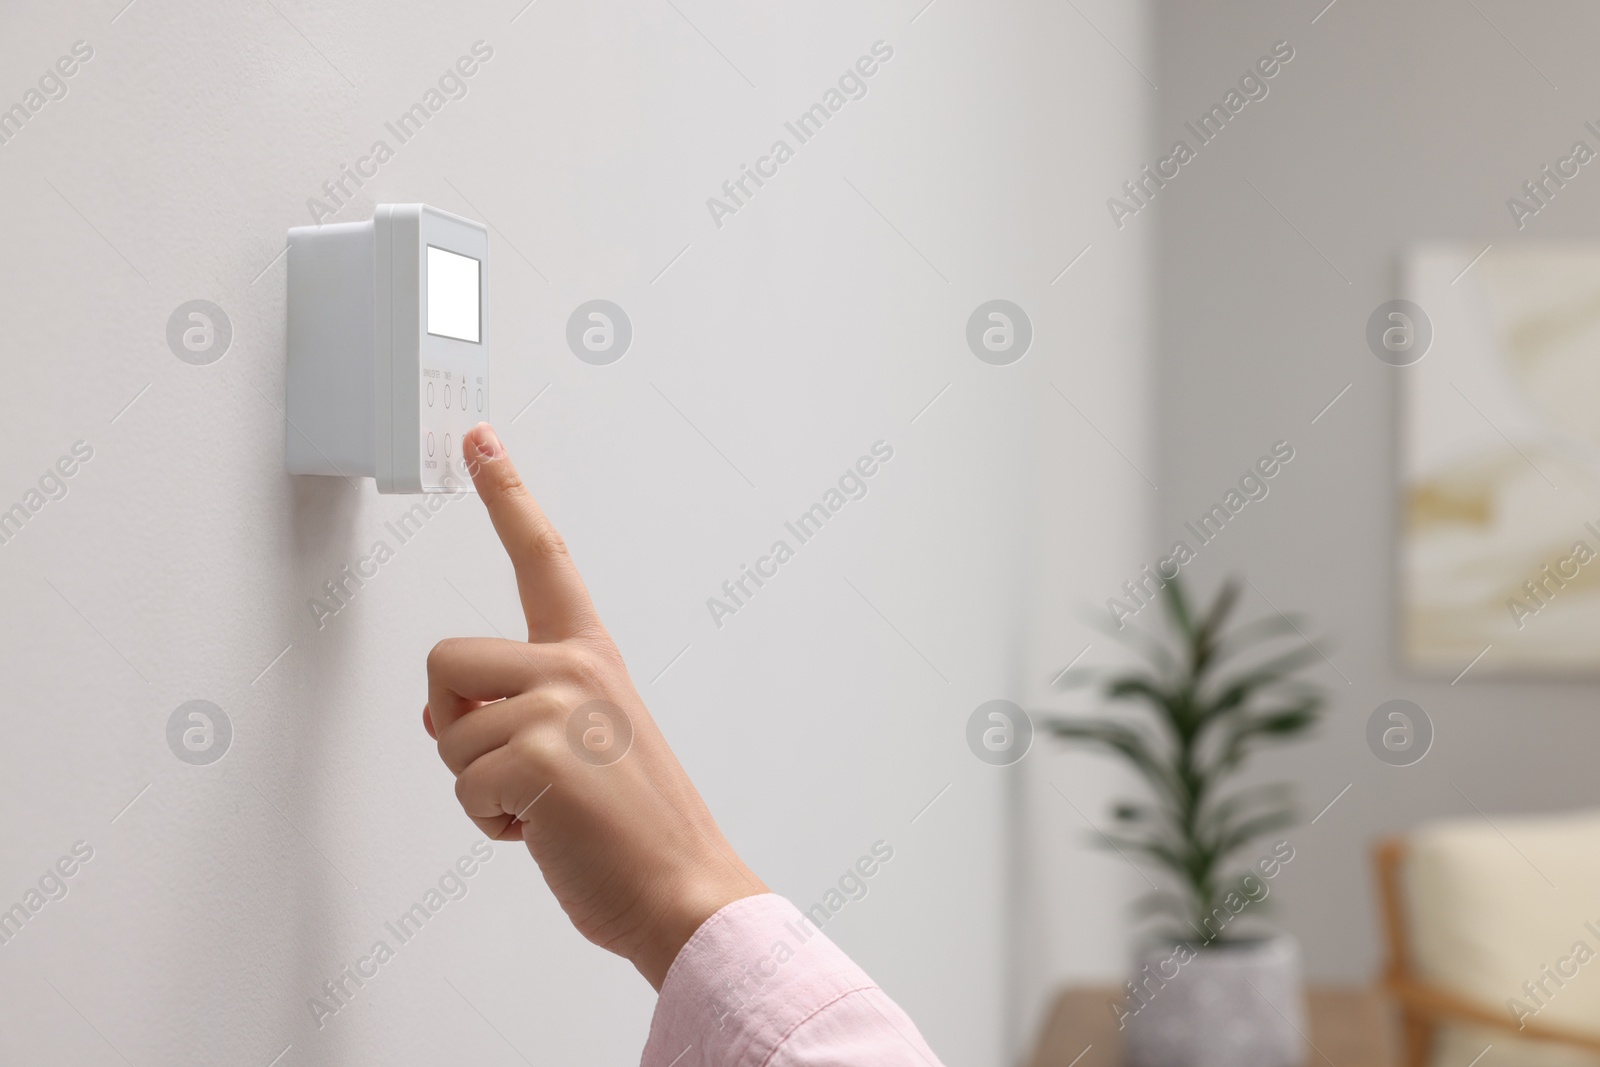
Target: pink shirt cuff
x=758, y=985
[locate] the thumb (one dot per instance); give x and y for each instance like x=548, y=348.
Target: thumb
x=554, y=599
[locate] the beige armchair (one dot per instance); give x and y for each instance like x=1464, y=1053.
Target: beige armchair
x=1483, y=923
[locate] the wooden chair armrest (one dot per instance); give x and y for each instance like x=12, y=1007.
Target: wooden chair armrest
x=1442, y=1004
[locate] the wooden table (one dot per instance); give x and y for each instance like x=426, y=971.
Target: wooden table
x=1351, y=1026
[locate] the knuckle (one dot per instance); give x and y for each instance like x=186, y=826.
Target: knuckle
x=590, y=664
x=547, y=544
x=607, y=652
x=476, y=792
x=571, y=659
x=534, y=747
x=450, y=755
x=506, y=479
x=441, y=653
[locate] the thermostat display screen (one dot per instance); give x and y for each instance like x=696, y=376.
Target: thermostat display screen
x=453, y=295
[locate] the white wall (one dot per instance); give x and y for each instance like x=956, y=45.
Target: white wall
x=809, y=326
x=1394, y=123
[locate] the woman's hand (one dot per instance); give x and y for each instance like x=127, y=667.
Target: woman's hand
x=550, y=743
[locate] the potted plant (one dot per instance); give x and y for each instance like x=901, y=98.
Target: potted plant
x=1207, y=992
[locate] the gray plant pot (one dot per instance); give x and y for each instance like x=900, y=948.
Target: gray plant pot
x=1234, y=1004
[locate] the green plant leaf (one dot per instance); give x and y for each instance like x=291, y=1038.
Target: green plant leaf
x=1132, y=813
x=1259, y=632
x=1122, y=739
x=1178, y=608
x=1279, y=725
x=1227, y=597
x=1164, y=853
x=1252, y=828
x=1141, y=642
x=1237, y=692
x=1231, y=807
x=1137, y=685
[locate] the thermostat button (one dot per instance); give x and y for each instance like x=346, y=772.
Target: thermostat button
x=430, y=394
x=430, y=442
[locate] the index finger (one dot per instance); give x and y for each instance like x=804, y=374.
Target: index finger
x=554, y=599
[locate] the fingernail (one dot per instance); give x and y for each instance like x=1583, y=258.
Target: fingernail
x=488, y=443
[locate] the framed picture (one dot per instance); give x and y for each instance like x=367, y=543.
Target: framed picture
x=1499, y=457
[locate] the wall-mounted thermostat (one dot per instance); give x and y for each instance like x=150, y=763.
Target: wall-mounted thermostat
x=388, y=347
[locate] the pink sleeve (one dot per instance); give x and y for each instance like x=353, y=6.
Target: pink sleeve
x=758, y=985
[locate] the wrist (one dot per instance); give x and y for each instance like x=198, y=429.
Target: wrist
x=682, y=912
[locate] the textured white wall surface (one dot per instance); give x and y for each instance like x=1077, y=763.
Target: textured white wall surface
x=208, y=904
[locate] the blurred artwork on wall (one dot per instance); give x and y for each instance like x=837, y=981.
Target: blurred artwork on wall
x=1499, y=562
